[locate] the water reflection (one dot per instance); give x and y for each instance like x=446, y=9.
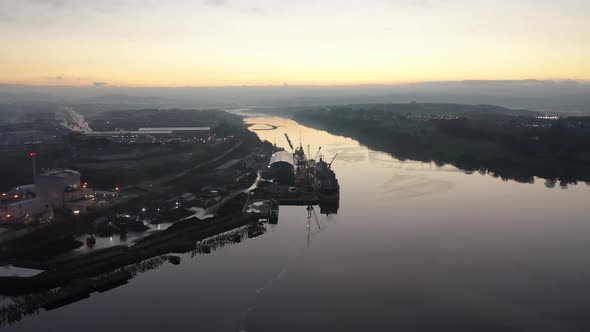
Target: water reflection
x=13, y=309
x=413, y=247
x=401, y=186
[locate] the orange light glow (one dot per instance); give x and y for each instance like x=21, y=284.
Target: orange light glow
x=384, y=45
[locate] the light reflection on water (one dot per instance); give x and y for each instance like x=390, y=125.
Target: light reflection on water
x=414, y=247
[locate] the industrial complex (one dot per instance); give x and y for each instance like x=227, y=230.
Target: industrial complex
x=53, y=189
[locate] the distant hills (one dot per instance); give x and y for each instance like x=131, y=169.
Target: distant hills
x=564, y=96
x=124, y=99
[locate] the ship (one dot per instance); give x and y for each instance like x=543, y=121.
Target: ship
x=325, y=181
x=299, y=179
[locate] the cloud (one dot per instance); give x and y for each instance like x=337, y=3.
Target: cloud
x=99, y=84
x=419, y=3
x=53, y=3
x=216, y=2
x=63, y=79
x=28, y=7
x=253, y=10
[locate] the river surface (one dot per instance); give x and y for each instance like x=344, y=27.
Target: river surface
x=413, y=247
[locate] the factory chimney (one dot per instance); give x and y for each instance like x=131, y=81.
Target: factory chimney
x=33, y=149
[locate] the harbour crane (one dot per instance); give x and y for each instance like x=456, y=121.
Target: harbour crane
x=317, y=154
x=289, y=141
x=330, y=164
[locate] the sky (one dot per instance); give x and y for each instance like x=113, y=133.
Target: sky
x=284, y=42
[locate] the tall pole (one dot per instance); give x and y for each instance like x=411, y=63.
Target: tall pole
x=34, y=159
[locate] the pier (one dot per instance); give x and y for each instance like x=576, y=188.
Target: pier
x=290, y=181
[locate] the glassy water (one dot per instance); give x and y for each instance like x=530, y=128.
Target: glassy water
x=414, y=247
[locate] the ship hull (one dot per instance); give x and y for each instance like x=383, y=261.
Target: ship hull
x=328, y=196
x=327, y=193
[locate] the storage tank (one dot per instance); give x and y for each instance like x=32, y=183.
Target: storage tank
x=58, y=186
x=282, y=168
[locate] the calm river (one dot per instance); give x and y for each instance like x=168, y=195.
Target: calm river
x=413, y=247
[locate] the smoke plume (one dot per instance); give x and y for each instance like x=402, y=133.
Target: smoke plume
x=73, y=120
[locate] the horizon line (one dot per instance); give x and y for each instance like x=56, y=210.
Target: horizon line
x=287, y=85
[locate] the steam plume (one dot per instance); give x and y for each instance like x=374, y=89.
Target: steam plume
x=73, y=120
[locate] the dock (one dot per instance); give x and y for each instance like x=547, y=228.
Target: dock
x=289, y=180
x=263, y=203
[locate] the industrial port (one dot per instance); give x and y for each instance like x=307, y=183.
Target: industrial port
x=292, y=178
x=63, y=239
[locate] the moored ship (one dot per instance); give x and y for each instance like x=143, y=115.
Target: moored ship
x=325, y=181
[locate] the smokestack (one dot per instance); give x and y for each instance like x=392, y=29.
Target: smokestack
x=33, y=148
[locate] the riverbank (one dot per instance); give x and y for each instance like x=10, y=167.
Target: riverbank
x=34, y=244
x=179, y=238
x=486, y=139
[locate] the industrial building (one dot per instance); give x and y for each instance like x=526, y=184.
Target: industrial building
x=57, y=187
x=282, y=166
x=179, y=130
x=54, y=189
x=158, y=131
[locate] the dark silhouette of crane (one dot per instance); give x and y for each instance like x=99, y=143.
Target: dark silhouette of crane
x=317, y=154
x=330, y=164
x=289, y=141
